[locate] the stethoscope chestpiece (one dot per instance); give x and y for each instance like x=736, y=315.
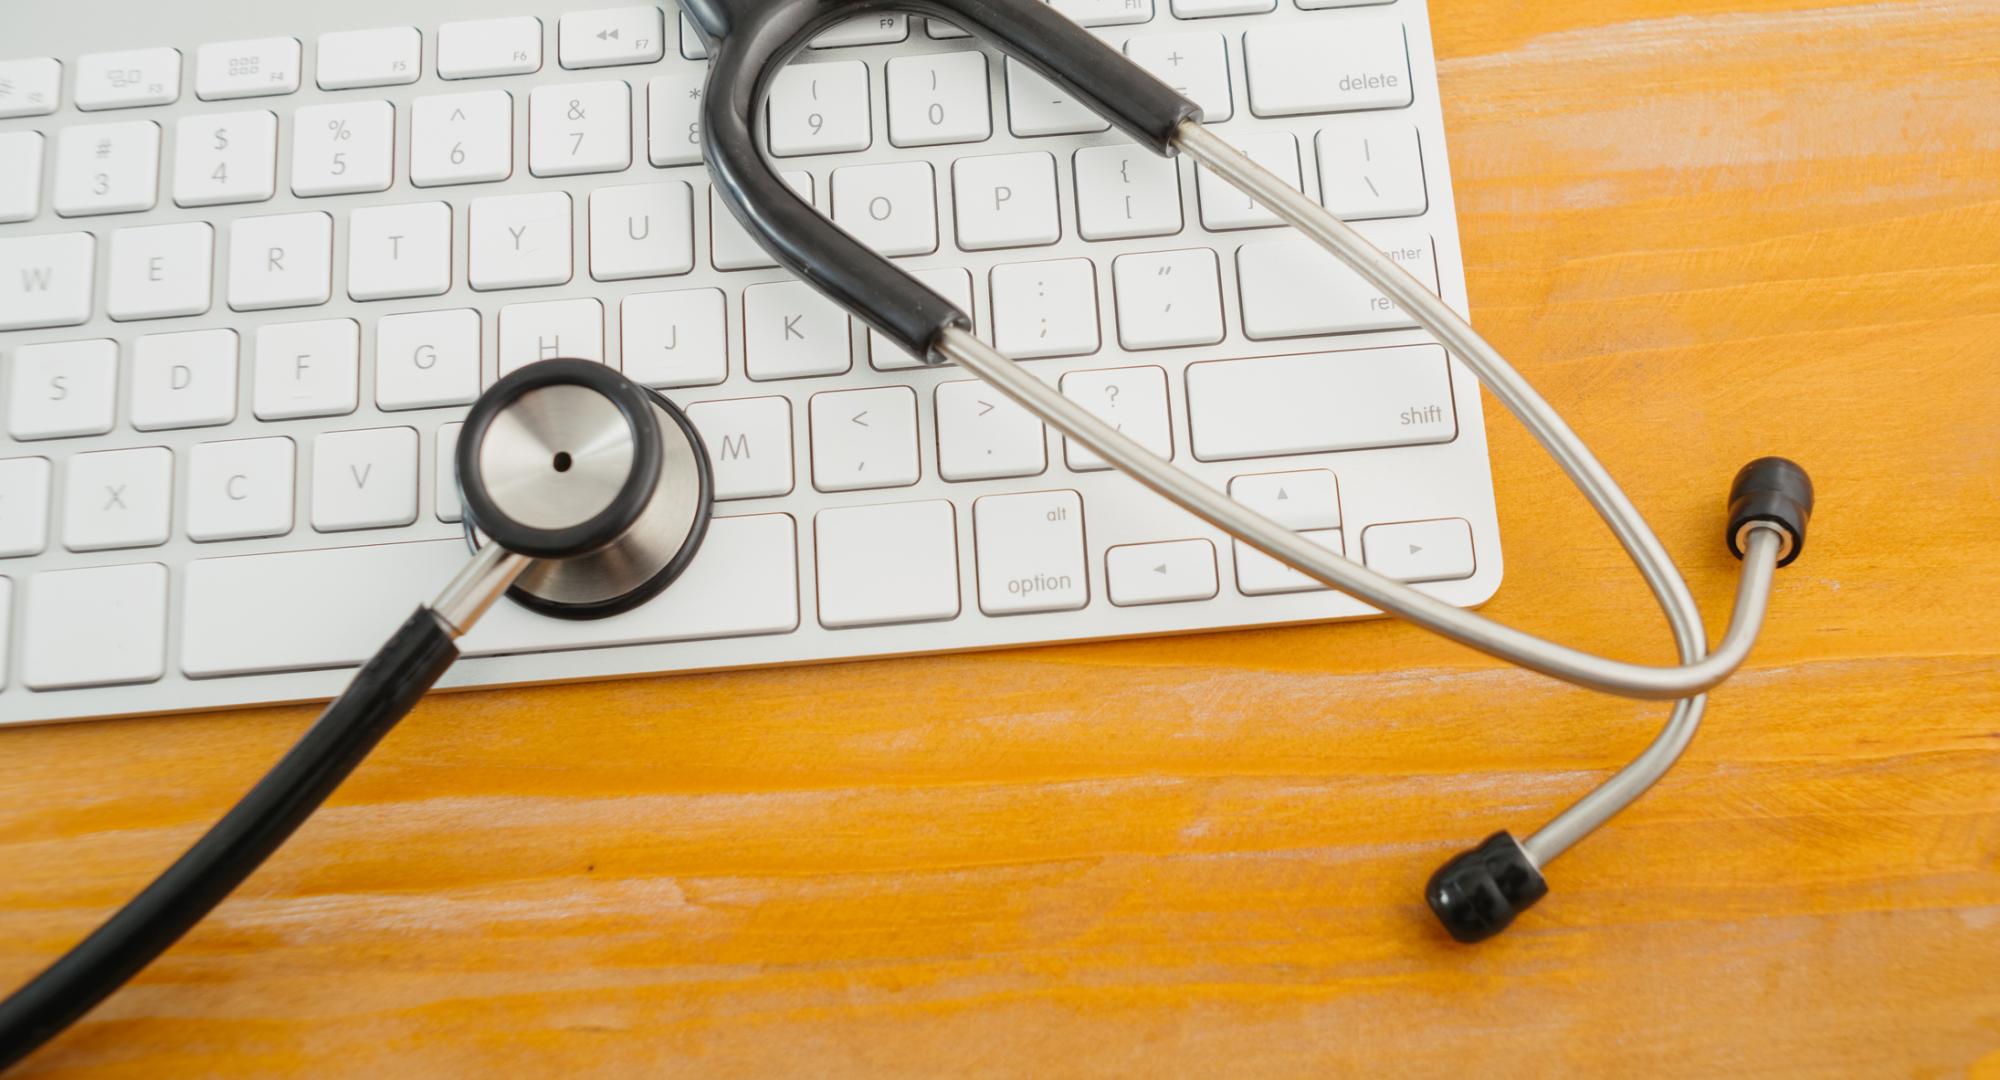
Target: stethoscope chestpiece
x=602, y=482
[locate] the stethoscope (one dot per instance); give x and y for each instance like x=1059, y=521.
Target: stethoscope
x=586, y=494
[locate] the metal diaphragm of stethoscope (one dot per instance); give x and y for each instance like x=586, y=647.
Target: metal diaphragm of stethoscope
x=586, y=495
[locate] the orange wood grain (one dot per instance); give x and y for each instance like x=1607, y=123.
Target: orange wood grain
x=1707, y=229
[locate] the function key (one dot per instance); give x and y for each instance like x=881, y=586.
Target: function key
x=241, y=69
x=588, y=39
x=124, y=80
x=392, y=56
x=31, y=87
x=476, y=50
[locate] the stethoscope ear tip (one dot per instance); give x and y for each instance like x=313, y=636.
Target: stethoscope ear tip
x=1478, y=892
x=1775, y=492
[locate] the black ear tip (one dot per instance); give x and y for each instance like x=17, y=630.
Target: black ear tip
x=1478, y=893
x=1771, y=491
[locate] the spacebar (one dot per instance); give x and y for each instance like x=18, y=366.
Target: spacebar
x=744, y=580
x=300, y=610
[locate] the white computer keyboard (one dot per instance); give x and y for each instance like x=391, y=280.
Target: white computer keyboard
x=255, y=260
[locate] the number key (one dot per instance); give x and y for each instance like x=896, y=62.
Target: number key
x=225, y=158
x=820, y=109
x=462, y=138
x=939, y=99
x=579, y=128
x=343, y=149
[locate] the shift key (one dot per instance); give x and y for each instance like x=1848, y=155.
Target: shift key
x=1317, y=402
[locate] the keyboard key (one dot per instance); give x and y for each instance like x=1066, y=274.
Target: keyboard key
x=100, y=626
x=392, y=56
x=1225, y=207
x=1030, y=552
x=731, y=248
x=743, y=581
x=241, y=69
x=550, y=330
x=425, y=359
x=6, y=620
x=791, y=332
x=864, y=438
x=1105, y=12
x=1169, y=572
x=160, y=271
x=24, y=506
x=1133, y=400
x=1124, y=191
x=45, y=280
x=184, y=380
x=1315, y=5
x=951, y=282
x=307, y=369
x=1045, y=309
x=674, y=338
x=1291, y=287
x=673, y=118
x=241, y=614
x=641, y=230
x=891, y=207
x=62, y=389
x=1410, y=551
x=1007, y=200
x=240, y=489
x=488, y=47
x=1319, y=402
x=1258, y=574
x=225, y=158
x=343, y=149
x=1196, y=65
x=33, y=87
x=820, y=109
x=123, y=80
x=937, y=99
x=1332, y=66
x=444, y=473
x=1208, y=9
x=893, y=563
x=462, y=138
x=520, y=240
x=1168, y=299
x=1300, y=499
x=20, y=175
x=1036, y=106
x=280, y=261
x=1370, y=168
x=118, y=499
x=749, y=443
x=627, y=35
x=580, y=128
x=691, y=44
x=364, y=479
x=107, y=168
x=396, y=251
x=877, y=29
x=983, y=435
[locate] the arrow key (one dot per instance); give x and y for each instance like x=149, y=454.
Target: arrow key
x=1437, y=550
x=1303, y=499
x=1164, y=573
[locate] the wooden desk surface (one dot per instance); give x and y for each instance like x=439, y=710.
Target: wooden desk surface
x=1708, y=229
